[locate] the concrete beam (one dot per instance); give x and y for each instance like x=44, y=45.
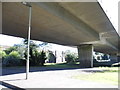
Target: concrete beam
x=85, y=53
x=65, y=15
x=102, y=41
x=59, y=11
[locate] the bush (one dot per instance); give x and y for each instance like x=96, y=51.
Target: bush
x=36, y=58
x=9, y=50
x=13, y=59
x=2, y=54
x=71, y=58
x=51, y=57
x=15, y=54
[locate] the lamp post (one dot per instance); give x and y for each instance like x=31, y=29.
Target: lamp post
x=29, y=30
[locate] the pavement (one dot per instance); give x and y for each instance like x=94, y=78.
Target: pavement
x=51, y=79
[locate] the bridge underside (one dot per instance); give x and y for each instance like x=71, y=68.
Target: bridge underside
x=65, y=23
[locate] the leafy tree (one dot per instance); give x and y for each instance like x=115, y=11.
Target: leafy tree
x=71, y=57
x=9, y=50
x=32, y=48
x=51, y=57
x=20, y=49
x=42, y=58
x=43, y=44
x=15, y=54
x=2, y=54
x=13, y=59
x=36, y=58
x=17, y=47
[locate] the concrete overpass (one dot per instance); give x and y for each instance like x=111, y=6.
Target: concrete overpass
x=77, y=24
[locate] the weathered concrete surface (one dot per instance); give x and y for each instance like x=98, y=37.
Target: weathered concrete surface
x=54, y=79
x=114, y=58
x=62, y=23
x=85, y=53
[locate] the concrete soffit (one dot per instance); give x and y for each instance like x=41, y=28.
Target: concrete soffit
x=61, y=12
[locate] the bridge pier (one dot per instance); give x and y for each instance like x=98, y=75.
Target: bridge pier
x=85, y=53
x=114, y=58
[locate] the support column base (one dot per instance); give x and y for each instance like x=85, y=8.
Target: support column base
x=85, y=53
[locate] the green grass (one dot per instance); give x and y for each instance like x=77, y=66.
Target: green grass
x=109, y=75
x=62, y=65
x=110, y=69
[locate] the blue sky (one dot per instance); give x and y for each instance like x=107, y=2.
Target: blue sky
x=109, y=6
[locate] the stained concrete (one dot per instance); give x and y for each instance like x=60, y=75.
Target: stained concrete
x=65, y=23
x=54, y=79
x=85, y=53
x=114, y=58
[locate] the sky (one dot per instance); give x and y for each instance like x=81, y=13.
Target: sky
x=10, y=41
x=109, y=6
x=111, y=9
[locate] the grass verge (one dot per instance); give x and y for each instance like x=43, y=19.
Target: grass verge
x=62, y=65
x=109, y=76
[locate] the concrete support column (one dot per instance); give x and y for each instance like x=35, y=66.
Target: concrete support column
x=114, y=58
x=85, y=53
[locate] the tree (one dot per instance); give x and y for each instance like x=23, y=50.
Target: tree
x=36, y=58
x=17, y=54
x=9, y=50
x=32, y=48
x=42, y=58
x=2, y=55
x=51, y=57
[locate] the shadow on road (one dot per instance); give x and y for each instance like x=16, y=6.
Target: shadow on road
x=16, y=70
